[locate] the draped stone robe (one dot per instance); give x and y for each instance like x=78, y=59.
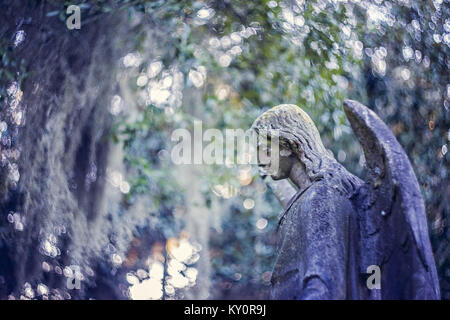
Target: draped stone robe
x=316, y=251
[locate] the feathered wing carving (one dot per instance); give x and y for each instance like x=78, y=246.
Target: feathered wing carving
x=391, y=213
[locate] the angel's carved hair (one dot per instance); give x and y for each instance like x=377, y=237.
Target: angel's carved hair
x=298, y=132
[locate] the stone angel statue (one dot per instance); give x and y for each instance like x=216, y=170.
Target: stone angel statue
x=335, y=228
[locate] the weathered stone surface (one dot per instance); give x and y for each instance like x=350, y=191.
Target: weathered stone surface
x=337, y=225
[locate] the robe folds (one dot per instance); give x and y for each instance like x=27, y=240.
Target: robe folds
x=316, y=252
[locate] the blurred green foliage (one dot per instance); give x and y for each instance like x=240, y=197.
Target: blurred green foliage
x=238, y=58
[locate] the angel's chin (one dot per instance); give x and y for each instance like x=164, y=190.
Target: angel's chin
x=277, y=177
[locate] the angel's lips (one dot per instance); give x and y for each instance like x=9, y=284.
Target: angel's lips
x=264, y=172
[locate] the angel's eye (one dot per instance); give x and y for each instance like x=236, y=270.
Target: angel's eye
x=285, y=152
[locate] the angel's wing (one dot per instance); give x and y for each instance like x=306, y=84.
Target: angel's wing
x=392, y=219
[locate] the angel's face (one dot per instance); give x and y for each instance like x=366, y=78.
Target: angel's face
x=278, y=165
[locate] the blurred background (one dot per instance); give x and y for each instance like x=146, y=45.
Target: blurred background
x=91, y=205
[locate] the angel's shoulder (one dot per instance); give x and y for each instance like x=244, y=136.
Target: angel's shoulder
x=324, y=196
x=321, y=190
